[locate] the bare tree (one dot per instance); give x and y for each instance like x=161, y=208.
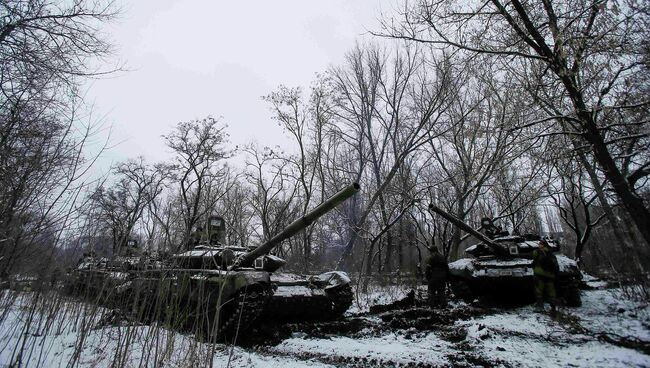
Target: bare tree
x=55, y=36
x=475, y=145
x=580, y=57
x=120, y=206
x=238, y=213
x=45, y=47
x=574, y=198
x=387, y=108
x=42, y=173
x=295, y=117
x=273, y=191
x=199, y=147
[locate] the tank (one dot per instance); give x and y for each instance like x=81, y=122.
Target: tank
x=216, y=290
x=501, y=265
x=97, y=278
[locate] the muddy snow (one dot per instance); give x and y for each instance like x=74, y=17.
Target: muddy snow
x=607, y=331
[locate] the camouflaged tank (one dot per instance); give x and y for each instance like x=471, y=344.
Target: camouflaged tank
x=217, y=290
x=98, y=278
x=501, y=266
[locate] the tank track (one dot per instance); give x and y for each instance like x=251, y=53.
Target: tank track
x=318, y=307
x=246, y=306
x=341, y=298
x=461, y=289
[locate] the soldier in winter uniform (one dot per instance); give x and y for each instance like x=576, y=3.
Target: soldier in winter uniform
x=545, y=269
x=436, y=270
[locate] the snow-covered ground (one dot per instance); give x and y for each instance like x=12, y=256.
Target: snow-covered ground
x=63, y=331
x=71, y=334
x=376, y=295
x=388, y=349
x=524, y=338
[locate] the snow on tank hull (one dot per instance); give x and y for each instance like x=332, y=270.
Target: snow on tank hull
x=209, y=303
x=309, y=298
x=510, y=279
x=213, y=303
x=97, y=284
x=100, y=279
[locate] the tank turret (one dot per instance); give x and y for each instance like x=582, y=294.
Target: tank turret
x=212, y=253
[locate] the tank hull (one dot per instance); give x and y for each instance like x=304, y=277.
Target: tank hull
x=215, y=304
x=309, y=298
x=209, y=303
x=510, y=280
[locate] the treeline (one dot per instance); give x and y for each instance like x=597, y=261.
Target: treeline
x=535, y=115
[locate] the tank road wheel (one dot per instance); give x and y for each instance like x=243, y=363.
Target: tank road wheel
x=238, y=313
x=462, y=290
x=341, y=298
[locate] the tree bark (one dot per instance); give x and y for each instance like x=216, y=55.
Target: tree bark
x=632, y=202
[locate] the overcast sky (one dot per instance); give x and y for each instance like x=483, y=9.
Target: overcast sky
x=191, y=59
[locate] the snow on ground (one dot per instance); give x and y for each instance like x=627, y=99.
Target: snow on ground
x=536, y=353
x=76, y=334
x=516, y=337
x=63, y=331
x=594, y=282
x=376, y=295
x=393, y=348
x=525, y=338
x=608, y=310
x=528, y=339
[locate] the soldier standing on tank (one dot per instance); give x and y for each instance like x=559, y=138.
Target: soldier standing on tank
x=545, y=269
x=196, y=236
x=436, y=270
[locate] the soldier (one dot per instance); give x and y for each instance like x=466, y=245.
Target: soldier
x=545, y=268
x=436, y=270
x=196, y=236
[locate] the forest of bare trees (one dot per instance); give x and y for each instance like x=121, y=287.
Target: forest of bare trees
x=533, y=113
x=543, y=128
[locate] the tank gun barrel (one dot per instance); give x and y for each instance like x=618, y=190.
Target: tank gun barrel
x=299, y=224
x=499, y=250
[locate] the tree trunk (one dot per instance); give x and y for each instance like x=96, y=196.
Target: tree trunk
x=632, y=203
x=625, y=245
x=454, y=252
